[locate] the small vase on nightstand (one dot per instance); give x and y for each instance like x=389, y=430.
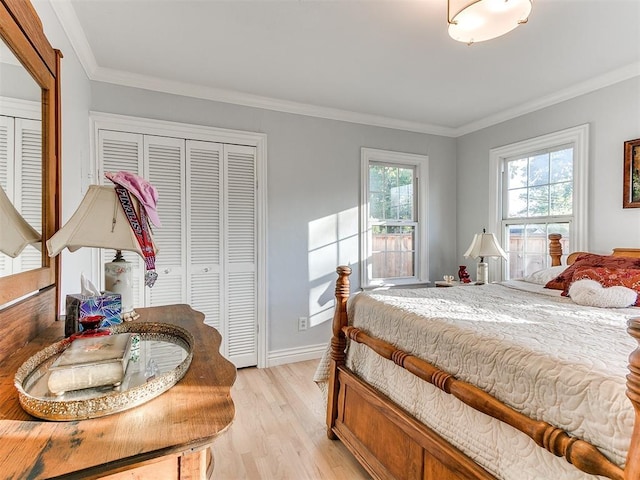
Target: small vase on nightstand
x=463, y=275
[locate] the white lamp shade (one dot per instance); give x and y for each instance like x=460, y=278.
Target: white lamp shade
x=15, y=231
x=485, y=245
x=473, y=21
x=92, y=225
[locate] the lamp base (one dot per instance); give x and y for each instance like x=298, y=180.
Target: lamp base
x=482, y=274
x=118, y=278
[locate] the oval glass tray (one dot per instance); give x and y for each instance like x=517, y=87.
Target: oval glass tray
x=165, y=353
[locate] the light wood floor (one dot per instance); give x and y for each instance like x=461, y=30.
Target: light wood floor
x=279, y=431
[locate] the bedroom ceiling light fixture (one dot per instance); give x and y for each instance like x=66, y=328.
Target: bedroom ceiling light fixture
x=484, y=245
x=472, y=21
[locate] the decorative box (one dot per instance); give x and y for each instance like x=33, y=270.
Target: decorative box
x=78, y=306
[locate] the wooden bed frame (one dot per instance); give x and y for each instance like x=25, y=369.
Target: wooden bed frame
x=392, y=444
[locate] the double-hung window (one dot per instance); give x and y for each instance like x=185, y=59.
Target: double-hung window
x=393, y=213
x=541, y=189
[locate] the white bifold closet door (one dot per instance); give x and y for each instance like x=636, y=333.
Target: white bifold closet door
x=207, y=242
x=21, y=161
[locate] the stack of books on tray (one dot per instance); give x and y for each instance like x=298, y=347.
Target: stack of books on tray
x=90, y=362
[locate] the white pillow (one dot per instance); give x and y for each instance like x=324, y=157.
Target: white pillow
x=591, y=293
x=542, y=277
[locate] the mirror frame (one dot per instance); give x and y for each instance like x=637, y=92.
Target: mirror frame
x=21, y=30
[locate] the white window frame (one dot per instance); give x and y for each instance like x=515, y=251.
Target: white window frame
x=420, y=164
x=578, y=137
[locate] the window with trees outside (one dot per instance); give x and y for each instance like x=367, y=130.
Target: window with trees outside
x=393, y=236
x=542, y=191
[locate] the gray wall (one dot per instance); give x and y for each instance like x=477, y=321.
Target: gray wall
x=313, y=170
x=613, y=115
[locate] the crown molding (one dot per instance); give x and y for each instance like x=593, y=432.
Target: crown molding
x=128, y=79
x=75, y=33
x=71, y=25
x=596, y=83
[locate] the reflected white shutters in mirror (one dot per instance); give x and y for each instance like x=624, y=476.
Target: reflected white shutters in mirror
x=21, y=160
x=29, y=152
x=207, y=242
x=6, y=169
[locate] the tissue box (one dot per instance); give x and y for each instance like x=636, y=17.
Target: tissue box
x=78, y=306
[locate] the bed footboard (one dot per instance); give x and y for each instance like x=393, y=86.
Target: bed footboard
x=349, y=396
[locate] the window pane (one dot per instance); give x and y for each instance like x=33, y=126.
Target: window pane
x=561, y=199
x=376, y=178
x=517, y=173
x=517, y=203
x=527, y=246
x=393, y=251
x=376, y=206
x=391, y=192
x=539, y=170
x=561, y=166
x=538, y=201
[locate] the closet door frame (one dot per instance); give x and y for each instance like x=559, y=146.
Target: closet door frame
x=101, y=120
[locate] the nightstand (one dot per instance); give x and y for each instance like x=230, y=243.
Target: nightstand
x=442, y=283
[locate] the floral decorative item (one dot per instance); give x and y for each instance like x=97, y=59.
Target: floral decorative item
x=631, y=193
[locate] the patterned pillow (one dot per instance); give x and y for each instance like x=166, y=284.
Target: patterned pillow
x=610, y=277
x=562, y=281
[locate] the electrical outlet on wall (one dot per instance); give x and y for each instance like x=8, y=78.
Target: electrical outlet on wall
x=303, y=323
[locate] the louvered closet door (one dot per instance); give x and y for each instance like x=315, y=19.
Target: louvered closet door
x=164, y=159
x=240, y=260
x=204, y=201
x=6, y=171
x=120, y=151
x=21, y=160
x=28, y=186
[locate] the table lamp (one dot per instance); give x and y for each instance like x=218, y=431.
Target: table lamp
x=484, y=245
x=100, y=221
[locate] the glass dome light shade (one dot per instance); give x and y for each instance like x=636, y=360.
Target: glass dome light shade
x=472, y=21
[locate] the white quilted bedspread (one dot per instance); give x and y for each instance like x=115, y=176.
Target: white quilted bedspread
x=544, y=356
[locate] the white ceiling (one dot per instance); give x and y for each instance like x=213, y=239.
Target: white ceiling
x=380, y=62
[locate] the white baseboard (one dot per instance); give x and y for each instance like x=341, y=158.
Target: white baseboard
x=292, y=355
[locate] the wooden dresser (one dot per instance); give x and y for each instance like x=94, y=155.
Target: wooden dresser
x=168, y=437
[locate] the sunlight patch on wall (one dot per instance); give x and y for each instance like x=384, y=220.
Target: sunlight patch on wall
x=333, y=241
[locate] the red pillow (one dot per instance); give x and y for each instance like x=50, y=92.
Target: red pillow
x=610, y=277
x=562, y=281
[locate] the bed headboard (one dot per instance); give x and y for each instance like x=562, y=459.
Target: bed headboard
x=555, y=251
x=29, y=300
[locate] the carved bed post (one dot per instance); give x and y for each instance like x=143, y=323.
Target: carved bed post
x=632, y=468
x=555, y=249
x=338, y=345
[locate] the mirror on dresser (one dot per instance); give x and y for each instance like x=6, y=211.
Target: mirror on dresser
x=28, y=294
x=20, y=167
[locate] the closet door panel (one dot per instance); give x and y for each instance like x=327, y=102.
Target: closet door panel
x=28, y=187
x=7, y=152
x=240, y=209
x=204, y=201
x=121, y=151
x=165, y=162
